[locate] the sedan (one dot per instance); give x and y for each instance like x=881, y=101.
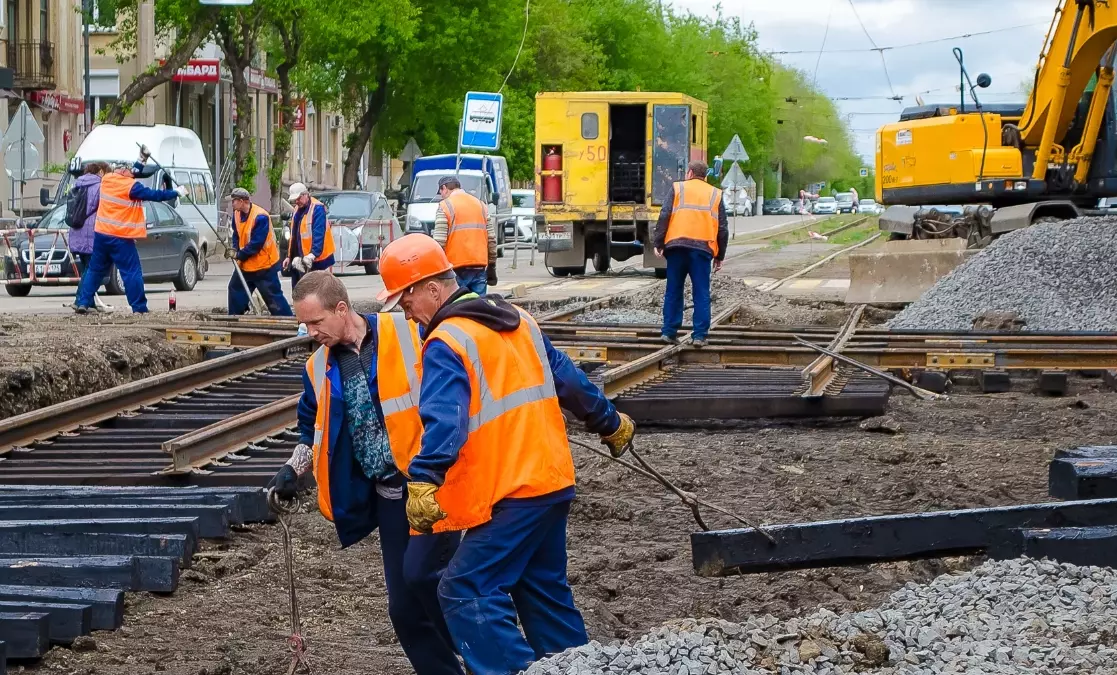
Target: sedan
x=870, y=207
x=362, y=223
x=168, y=253
x=826, y=206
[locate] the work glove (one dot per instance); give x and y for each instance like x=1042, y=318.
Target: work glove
x=308, y=261
x=422, y=508
x=490, y=275
x=285, y=483
x=144, y=153
x=181, y=191
x=299, y=265
x=230, y=253
x=619, y=441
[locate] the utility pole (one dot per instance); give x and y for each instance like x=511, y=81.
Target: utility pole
x=86, y=10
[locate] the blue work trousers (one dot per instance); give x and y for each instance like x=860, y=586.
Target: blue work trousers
x=267, y=282
x=513, y=565
x=413, y=566
x=473, y=278
x=681, y=263
x=107, y=251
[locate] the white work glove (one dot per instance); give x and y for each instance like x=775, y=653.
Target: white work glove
x=299, y=265
x=181, y=191
x=308, y=260
x=144, y=154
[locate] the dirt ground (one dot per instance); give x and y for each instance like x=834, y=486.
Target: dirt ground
x=630, y=563
x=47, y=359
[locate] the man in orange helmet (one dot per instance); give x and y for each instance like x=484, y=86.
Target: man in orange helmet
x=494, y=460
x=462, y=226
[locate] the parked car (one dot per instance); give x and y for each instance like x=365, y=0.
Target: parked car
x=785, y=207
x=826, y=206
x=362, y=223
x=845, y=202
x=170, y=252
x=523, y=208
x=869, y=207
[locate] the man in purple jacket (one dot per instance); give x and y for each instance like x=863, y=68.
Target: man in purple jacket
x=81, y=239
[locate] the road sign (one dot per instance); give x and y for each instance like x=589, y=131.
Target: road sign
x=734, y=178
x=736, y=151
x=481, y=119
x=864, y=172
x=21, y=161
x=23, y=127
x=411, y=151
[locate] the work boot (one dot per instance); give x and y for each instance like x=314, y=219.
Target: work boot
x=669, y=340
x=699, y=343
x=80, y=309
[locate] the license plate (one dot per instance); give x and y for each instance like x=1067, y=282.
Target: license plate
x=50, y=269
x=555, y=235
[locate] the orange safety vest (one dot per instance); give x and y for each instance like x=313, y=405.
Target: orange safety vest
x=694, y=215
x=467, y=236
x=307, y=233
x=517, y=444
x=268, y=254
x=117, y=214
x=398, y=374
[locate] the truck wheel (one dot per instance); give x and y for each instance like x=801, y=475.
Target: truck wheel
x=601, y=260
x=568, y=271
x=18, y=290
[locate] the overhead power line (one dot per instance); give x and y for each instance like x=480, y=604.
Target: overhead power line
x=883, y=63
x=822, y=49
x=909, y=44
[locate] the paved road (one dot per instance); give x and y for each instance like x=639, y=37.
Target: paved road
x=535, y=280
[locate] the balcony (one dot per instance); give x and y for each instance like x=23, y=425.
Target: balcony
x=33, y=63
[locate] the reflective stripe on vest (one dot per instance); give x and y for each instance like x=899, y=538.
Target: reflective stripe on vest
x=306, y=232
x=492, y=408
x=694, y=213
x=516, y=447
x=268, y=254
x=117, y=214
x=398, y=368
x=467, y=233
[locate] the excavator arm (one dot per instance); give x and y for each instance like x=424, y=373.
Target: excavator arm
x=1079, y=46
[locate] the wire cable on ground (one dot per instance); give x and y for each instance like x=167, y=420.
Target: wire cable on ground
x=527, y=16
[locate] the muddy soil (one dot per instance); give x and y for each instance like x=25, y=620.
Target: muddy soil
x=47, y=359
x=630, y=563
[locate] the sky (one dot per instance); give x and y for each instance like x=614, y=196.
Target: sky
x=1008, y=56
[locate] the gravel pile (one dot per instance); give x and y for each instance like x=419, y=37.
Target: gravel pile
x=1056, y=276
x=1020, y=616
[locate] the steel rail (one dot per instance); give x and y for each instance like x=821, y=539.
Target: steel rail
x=773, y=285
x=822, y=371
x=69, y=415
x=194, y=450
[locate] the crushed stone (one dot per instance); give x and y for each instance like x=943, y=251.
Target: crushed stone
x=1023, y=616
x=1057, y=276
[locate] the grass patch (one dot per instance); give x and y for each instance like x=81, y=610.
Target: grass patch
x=855, y=235
x=780, y=240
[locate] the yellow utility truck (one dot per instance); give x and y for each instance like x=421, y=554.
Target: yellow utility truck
x=604, y=163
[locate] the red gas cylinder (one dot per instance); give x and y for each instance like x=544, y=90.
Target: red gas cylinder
x=552, y=185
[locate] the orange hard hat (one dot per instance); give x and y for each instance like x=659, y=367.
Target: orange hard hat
x=407, y=261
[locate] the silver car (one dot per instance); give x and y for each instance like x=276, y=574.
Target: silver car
x=826, y=206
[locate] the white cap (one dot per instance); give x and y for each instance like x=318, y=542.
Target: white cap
x=297, y=190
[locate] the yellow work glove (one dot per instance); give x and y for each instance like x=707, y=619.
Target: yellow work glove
x=619, y=441
x=423, y=510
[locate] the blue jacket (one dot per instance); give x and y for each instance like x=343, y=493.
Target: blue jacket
x=445, y=390
x=352, y=494
x=317, y=231
x=260, y=231
x=142, y=193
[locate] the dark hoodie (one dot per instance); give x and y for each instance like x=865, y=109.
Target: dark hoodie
x=445, y=391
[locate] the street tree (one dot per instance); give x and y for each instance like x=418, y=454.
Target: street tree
x=238, y=33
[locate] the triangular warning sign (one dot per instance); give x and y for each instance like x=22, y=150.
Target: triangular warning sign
x=736, y=151
x=23, y=127
x=734, y=178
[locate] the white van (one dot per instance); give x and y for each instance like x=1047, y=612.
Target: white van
x=176, y=153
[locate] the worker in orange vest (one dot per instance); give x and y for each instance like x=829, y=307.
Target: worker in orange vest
x=311, y=246
x=462, y=227
x=693, y=233
x=359, y=425
x=255, y=250
x=120, y=222
x=494, y=460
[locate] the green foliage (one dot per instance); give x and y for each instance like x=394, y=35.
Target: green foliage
x=282, y=144
x=250, y=169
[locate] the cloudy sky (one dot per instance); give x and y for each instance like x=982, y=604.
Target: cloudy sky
x=928, y=69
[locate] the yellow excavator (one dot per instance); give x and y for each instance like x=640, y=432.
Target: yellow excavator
x=956, y=176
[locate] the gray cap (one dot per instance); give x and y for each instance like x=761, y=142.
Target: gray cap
x=240, y=193
x=448, y=179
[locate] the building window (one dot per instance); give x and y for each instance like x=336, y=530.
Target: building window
x=44, y=20
x=101, y=104
x=589, y=126
x=13, y=21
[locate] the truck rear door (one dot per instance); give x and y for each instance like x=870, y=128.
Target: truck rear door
x=586, y=159
x=670, y=150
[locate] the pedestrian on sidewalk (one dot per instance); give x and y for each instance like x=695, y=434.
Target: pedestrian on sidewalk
x=692, y=233
x=120, y=222
x=80, y=240
x=494, y=460
x=255, y=250
x=463, y=228
x=358, y=422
